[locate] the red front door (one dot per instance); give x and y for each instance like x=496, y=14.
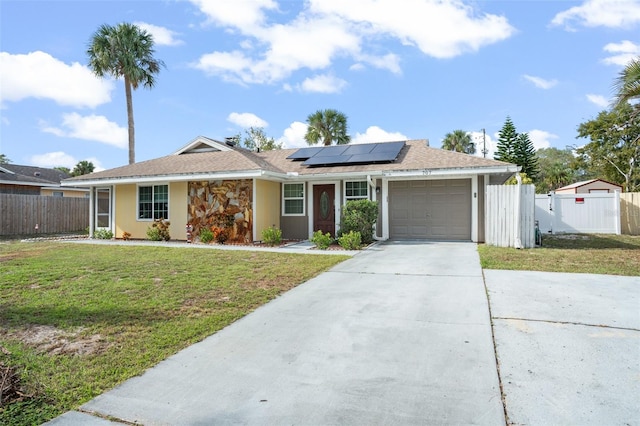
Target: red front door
x=324, y=212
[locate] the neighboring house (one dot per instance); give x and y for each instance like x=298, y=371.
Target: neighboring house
x=423, y=192
x=30, y=180
x=590, y=187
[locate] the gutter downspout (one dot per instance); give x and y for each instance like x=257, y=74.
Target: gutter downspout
x=518, y=242
x=372, y=185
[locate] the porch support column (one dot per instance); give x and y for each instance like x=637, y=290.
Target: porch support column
x=474, y=208
x=384, y=203
x=92, y=213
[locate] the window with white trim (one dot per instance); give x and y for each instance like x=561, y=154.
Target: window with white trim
x=356, y=190
x=293, y=199
x=153, y=202
x=58, y=194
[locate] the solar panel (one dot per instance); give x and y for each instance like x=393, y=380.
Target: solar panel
x=349, y=154
x=304, y=153
x=325, y=161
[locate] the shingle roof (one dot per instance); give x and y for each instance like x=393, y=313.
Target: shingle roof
x=586, y=182
x=415, y=155
x=31, y=175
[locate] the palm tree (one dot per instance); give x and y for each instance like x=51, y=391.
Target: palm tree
x=627, y=85
x=327, y=126
x=459, y=141
x=125, y=51
x=83, y=167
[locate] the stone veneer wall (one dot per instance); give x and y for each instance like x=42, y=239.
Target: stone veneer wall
x=222, y=203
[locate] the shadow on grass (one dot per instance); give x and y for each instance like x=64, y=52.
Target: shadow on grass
x=591, y=241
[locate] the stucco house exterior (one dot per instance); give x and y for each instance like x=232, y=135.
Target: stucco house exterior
x=423, y=192
x=590, y=186
x=31, y=180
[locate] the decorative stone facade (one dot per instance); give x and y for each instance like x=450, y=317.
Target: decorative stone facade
x=225, y=204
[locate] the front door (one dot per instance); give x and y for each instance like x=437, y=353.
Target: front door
x=324, y=212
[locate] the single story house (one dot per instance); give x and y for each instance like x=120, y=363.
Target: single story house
x=590, y=186
x=31, y=180
x=423, y=192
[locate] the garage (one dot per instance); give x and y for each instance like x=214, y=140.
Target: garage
x=430, y=209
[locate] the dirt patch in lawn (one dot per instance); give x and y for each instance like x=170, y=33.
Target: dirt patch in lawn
x=53, y=341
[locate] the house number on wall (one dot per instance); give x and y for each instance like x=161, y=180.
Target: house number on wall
x=324, y=205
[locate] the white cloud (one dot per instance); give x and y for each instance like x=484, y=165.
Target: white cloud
x=376, y=134
x=61, y=159
x=541, y=82
x=322, y=84
x=598, y=100
x=541, y=138
x=39, y=75
x=246, y=120
x=331, y=29
x=161, y=36
x=600, y=13
x=92, y=127
x=293, y=136
x=623, y=53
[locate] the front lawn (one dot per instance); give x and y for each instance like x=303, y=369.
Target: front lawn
x=77, y=319
x=595, y=254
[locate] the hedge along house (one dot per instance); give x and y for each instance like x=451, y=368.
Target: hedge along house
x=423, y=192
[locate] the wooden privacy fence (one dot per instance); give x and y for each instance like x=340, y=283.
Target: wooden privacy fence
x=595, y=213
x=509, y=216
x=19, y=214
x=630, y=213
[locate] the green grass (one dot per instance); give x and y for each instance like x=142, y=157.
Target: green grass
x=595, y=254
x=132, y=306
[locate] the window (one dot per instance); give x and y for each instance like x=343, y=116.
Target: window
x=58, y=194
x=293, y=198
x=356, y=190
x=153, y=202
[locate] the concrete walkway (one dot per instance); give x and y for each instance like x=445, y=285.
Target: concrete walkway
x=399, y=334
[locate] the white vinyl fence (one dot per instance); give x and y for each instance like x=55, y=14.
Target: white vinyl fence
x=510, y=216
x=578, y=213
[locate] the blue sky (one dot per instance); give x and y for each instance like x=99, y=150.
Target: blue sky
x=399, y=69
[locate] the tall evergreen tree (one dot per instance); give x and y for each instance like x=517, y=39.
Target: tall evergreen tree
x=506, y=142
x=526, y=157
x=517, y=148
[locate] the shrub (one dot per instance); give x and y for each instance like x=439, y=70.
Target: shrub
x=206, y=236
x=322, y=241
x=103, y=234
x=350, y=241
x=159, y=230
x=272, y=236
x=359, y=216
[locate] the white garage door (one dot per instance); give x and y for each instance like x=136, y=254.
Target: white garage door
x=430, y=209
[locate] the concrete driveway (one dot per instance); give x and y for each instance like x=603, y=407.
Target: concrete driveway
x=568, y=347
x=400, y=334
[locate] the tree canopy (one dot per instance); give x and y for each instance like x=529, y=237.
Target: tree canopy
x=459, y=141
x=627, y=85
x=257, y=140
x=4, y=159
x=125, y=51
x=327, y=126
x=83, y=167
x=613, y=150
x=557, y=169
x=517, y=148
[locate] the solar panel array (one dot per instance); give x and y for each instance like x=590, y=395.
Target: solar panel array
x=383, y=152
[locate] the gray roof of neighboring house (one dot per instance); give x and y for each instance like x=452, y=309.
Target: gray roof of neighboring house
x=31, y=175
x=587, y=182
x=415, y=155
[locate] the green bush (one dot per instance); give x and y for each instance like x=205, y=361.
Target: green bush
x=103, y=234
x=350, y=241
x=272, y=236
x=159, y=230
x=206, y=236
x=322, y=241
x=359, y=216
